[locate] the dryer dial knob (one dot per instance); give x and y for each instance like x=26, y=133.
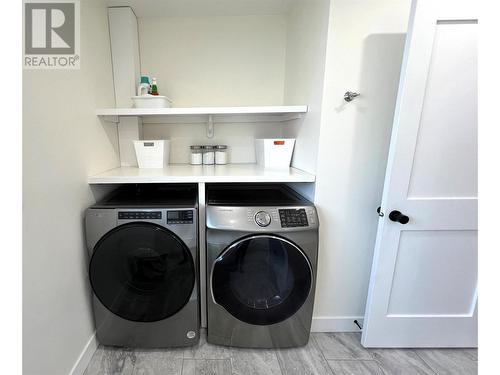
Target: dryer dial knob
x=262, y=218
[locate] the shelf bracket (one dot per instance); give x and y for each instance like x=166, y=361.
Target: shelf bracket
x=210, y=127
x=289, y=117
x=111, y=118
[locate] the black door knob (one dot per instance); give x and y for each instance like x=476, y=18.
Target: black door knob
x=399, y=217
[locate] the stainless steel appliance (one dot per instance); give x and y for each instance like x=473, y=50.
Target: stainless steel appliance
x=262, y=248
x=143, y=247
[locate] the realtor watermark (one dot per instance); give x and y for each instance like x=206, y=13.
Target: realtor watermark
x=51, y=37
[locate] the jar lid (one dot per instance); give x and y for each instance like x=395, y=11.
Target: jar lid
x=196, y=147
x=208, y=147
x=221, y=147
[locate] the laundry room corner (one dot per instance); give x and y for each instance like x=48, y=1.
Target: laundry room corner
x=63, y=143
x=352, y=155
x=240, y=187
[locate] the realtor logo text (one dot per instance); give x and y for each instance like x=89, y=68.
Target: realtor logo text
x=51, y=34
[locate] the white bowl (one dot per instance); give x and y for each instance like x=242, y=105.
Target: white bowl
x=151, y=101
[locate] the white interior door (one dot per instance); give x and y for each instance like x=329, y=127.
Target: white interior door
x=423, y=286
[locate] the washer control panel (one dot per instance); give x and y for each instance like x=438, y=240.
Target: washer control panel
x=172, y=217
x=293, y=217
x=139, y=215
x=262, y=218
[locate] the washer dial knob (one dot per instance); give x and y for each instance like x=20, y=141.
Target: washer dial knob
x=262, y=218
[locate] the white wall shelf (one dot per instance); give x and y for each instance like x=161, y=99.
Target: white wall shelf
x=202, y=114
x=179, y=173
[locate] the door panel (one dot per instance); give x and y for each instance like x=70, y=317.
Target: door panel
x=445, y=136
x=423, y=285
x=261, y=279
x=430, y=277
x=142, y=272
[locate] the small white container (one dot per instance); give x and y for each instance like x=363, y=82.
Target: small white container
x=221, y=154
x=274, y=153
x=152, y=154
x=196, y=157
x=208, y=155
x=151, y=101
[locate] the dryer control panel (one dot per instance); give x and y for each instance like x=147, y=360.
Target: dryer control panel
x=262, y=219
x=293, y=217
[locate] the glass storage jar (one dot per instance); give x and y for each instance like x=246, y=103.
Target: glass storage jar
x=221, y=154
x=208, y=155
x=196, y=157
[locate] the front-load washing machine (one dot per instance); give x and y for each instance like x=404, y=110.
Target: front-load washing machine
x=143, y=246
x=262, y=249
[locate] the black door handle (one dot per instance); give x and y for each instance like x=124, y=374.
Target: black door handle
x=399, y=217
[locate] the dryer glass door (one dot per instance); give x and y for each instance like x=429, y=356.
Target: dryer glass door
x=262, y=279
x=142, y=272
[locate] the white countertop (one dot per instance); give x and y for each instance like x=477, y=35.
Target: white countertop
x=178, y=173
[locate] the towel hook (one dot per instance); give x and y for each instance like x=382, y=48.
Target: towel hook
x=350, y=95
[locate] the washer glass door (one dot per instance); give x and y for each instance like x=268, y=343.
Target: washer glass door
x=261, y=279
x=142, y=272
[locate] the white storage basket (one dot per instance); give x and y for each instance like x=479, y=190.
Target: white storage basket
x=152, y=154
x=274, y=153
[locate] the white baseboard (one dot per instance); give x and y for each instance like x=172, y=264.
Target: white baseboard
x=336, y=324
x=85, y=356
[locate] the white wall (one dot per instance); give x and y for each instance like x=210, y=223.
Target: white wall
x=63, y=143
x=215, y=61
x=364, y=54
x=307, y=32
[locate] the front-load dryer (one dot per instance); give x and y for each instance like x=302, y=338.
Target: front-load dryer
x=262, y=249
x=143, y=246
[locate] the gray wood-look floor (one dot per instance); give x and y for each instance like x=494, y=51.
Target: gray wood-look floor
x=326, y=354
